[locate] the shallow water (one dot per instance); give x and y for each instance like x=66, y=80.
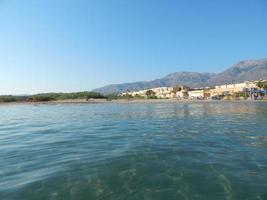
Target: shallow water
x=212, y=150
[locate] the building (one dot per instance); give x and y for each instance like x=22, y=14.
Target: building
x=234, y=88
x=204, y=93
x=160, y=92
x=181, y=92
x=163, y=92
x=196, y=94
x=184, y=92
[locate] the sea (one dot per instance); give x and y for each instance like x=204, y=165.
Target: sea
x=134, y=151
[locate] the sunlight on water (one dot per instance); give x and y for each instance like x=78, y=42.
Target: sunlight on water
x=209, y=150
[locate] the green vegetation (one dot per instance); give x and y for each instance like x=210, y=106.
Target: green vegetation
x=64, y=96
x=151, y=94
x=244, y=95
x=127, y=96
x=110, y=97
x=236, y=95
x=52, y=97
x=137, y=96
x=262, y=85
x=9, y=98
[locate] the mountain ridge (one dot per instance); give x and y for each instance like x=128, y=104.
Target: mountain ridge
x=242, y=71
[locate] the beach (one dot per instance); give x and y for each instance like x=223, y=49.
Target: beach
x=123, y=101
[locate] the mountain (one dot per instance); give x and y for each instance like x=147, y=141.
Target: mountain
x=242, y=71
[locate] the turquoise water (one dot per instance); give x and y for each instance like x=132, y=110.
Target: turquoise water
x=209, y=151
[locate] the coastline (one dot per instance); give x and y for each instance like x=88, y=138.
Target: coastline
x=122, y=101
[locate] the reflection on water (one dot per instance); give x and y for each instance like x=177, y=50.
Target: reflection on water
x=208, y=150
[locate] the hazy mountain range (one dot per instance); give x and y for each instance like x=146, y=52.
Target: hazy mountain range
x=242, y=71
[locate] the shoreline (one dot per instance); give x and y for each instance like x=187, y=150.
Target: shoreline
x=123, y=101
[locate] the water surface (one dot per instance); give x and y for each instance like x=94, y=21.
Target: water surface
x=209, y=151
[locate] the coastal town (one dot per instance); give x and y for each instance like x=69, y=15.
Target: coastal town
x=251, y=90
x=246, y=90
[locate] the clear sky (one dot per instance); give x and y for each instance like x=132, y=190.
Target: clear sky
x=76, y=45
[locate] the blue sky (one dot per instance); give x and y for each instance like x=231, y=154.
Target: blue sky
x=60, y=45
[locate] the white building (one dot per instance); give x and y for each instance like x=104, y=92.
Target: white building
x=184, y=92
x=160, y=92
x=194, y=94
x=234, y=88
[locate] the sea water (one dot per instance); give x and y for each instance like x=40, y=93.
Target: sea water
x=203, y=150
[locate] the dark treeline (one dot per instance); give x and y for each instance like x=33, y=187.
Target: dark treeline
x=10, y=98
x=52, y=97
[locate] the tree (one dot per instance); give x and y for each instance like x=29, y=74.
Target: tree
x=263, y=85
x=151, y=94
x=241, y=94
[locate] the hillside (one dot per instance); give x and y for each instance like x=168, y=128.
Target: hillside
x=242, y=71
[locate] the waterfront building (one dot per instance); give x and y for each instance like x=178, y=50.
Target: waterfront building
x=181, y=92
x=196, y=94
x=234, y=88
x=203, y=93
x=163, y=92
x=184, y=92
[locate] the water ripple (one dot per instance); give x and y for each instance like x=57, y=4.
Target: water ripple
x=214, y=150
